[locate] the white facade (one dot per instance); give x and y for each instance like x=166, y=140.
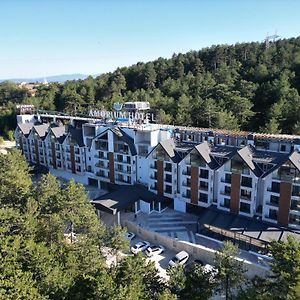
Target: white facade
x=102, y=154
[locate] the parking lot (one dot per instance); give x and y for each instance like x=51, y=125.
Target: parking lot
x=161, y=261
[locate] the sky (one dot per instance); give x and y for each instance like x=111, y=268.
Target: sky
x=39, y=38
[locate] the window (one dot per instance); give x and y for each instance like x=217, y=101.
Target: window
x=245, y=207
x=273, y=214
x=274, y=200
x=187, y=171
x=228, y=178
x=226, y=203
x=294, y=219
x=246, y=181
x=168, y=189
x=204, y=173
x=245, y=194
x=203, y=197
x=283, y=148
x=227, y=190
x=295, y=205
x=203, y=185
x=275, y=187
x=168, y=178
x=296, y=191
x=168, y=167
x=128, y=160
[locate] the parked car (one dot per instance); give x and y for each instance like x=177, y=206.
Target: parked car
x=209, y=269
x=154, y=250
x=129, y=235
x=180, y=258
x=141, y=246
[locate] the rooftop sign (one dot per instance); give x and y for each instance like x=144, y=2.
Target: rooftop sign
x=133, y=112
x=131, y=116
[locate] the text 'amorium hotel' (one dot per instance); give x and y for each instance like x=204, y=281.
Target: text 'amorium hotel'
x=251, y=174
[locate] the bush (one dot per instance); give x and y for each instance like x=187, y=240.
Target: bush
x=10, y=135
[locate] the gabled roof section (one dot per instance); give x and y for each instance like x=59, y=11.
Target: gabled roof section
x=126, y=138
x=60, y=133
x=205, y=151
x=246, y=154
x=169, y=147
x=25, y=128
x=41, y=130
x=295, y=159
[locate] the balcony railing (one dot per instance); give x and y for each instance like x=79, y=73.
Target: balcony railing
x=273, y=190
x=187, y=173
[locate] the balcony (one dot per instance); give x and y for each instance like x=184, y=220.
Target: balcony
x=124, y=181
x=153, y=188
x=246, y=197
x=186, y=196
x=125, y=171
x=186, y=172
x=272, y=190
x=186, y=183
x=101, y=174
x=225, y=193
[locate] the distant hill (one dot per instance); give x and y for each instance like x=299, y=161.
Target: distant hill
x=55, y=78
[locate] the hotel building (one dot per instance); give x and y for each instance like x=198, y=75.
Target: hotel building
x=251, y=174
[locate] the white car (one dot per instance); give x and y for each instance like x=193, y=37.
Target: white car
x=129, y=235
x=180, y=258
x=209, y=269
x=141, y=246
x=154, y=250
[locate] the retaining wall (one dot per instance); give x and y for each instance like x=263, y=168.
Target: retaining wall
x=197, y=251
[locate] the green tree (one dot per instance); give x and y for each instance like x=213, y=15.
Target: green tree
x=135, y=278
x=230, y=270
x=226, y=120
x=177, y=278
x=183, y=116
x=15, y=182
x=116, y=240
x=286, y=268
x=199, y=283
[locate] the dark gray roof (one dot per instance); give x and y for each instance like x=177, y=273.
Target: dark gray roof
x=295, y=159
x=126, y=138
x=25, y=128
x=246, y=154
x=205, y=151
x=169, y=146
x=76, y=135
x=41, y=130
x=124, y=196
x=60, y=133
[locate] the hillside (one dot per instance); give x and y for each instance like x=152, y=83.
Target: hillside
x=245, y=86
x=54, y=78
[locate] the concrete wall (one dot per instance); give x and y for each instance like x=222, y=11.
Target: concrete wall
x=68, y=176
x=197, y=251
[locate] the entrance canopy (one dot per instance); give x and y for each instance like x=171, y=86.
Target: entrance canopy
x=123, y=196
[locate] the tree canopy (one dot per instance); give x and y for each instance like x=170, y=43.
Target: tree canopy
x=246, y=86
